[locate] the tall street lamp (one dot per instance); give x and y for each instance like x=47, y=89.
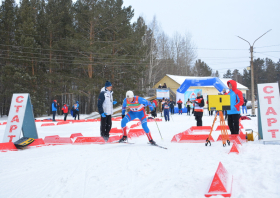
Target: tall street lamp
x=252, y=71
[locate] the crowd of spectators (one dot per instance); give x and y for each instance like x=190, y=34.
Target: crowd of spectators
x=65, y=110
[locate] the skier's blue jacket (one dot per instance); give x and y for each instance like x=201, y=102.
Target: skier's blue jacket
x=137, y=110
x=139, y=102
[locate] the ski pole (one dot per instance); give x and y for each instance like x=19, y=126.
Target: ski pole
x=158, y=129
x=171, y=117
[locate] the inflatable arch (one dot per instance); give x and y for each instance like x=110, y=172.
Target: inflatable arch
x=214, y=81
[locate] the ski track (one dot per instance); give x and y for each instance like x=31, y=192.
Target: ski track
x=138, y=170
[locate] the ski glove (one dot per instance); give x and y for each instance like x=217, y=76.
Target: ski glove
x=103, y=115
x=115, y=102
x=123, y=116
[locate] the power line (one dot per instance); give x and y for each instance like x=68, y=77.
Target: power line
x=268, y=46
x=268, y=55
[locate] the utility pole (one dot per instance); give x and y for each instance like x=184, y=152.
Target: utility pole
x=252, y=72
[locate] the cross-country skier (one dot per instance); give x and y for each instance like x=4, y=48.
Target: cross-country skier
x=137, y=106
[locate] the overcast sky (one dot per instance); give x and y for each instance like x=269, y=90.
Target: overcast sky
x=215, y=24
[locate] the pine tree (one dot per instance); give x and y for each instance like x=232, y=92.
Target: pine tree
x=201, y=69
x=270, y=71
x=228, y=74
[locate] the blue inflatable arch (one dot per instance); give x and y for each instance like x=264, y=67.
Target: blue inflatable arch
x=216, y=82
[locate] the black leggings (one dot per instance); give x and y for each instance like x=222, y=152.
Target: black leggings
x=233, y=123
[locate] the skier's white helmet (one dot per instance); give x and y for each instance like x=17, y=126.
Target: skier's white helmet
x=129, y=94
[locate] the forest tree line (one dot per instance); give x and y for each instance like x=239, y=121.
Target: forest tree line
x=65, y=51
x=265, y=71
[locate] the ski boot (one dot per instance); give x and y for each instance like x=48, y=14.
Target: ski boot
x=152, y=142
x=106, y=139
x=123, y=139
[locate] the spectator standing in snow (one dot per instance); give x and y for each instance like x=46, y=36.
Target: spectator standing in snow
x=180, y=106
x=171, y=105
x=54, y=109
x=65, y=111
x=166, y=111
x=210, y=112
x=162, y=103
x=244, y=107
x=188, y=105
x=74, y=111
x=78, y=110
x=198, y=109
x=156, y=104
x=236, y=100
x=105, y=109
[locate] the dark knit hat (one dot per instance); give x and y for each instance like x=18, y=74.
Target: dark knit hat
x=108, y=84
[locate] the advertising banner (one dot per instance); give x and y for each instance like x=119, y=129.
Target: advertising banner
x=269, y=104
x=163, y=93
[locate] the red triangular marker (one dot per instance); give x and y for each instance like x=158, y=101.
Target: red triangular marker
x=234, y=148
x=221, y=183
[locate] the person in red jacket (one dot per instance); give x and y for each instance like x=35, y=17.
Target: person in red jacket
x=65, y=111
x=180, y=106
x=155, y=101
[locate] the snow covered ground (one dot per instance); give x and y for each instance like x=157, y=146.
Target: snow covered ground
x=137, y=170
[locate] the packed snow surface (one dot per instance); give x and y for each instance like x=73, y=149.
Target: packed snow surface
x=137, y=170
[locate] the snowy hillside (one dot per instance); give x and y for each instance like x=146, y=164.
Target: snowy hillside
x=137, y=170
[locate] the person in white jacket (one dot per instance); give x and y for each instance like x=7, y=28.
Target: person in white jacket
x=105, y=108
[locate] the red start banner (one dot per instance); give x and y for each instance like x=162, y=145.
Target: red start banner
x=20, y=119
x=269, y=102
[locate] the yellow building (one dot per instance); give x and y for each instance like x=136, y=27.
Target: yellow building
x=174, y=82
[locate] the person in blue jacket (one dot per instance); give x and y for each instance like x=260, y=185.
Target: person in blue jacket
x=154, y=106
x=137, y=106
x=236, y=101
x=166, y=106
x=77, y=110
x=54, y=109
